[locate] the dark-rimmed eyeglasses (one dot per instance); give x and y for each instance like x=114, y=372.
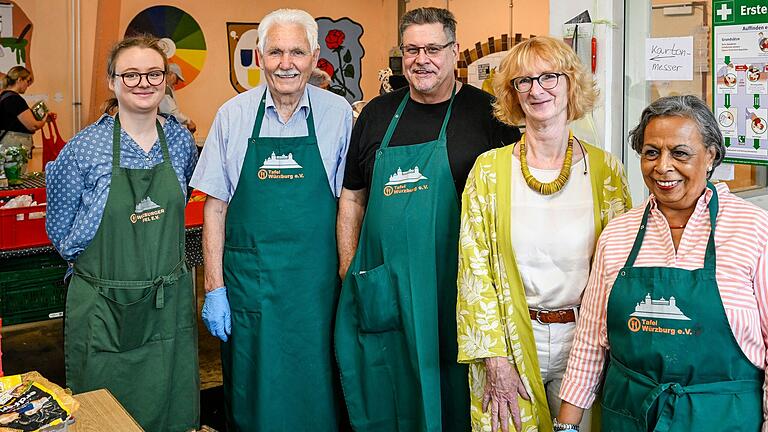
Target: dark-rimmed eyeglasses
x=431, y=50
x=133, y=79
x=547, y=81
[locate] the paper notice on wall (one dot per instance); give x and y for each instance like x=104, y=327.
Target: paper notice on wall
x=723, y=172
x=669, y=59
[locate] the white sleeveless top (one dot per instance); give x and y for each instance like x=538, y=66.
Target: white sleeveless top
x=553, y=236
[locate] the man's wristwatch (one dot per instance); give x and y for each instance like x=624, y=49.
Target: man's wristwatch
x=561, y=427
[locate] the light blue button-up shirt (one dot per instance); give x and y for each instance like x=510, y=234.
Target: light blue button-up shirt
x=218, y=170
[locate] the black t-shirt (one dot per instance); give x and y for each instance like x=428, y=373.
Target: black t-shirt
x=11, y=105
x=472, y=130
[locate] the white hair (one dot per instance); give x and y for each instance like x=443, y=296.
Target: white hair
x=289, y=16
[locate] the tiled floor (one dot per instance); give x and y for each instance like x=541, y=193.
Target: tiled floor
x=40, y=346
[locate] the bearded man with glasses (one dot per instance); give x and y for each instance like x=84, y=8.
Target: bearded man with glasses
x=398, y=228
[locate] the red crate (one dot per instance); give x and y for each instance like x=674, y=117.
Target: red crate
x=17, y=230
x=193, y=214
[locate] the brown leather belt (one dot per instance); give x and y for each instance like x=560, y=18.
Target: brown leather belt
x=561, y=316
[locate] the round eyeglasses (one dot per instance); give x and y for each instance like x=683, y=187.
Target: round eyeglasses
x=133, y=79
x=547, y=81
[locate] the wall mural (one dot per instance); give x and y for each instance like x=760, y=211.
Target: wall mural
x=15, y=37
x=244, y=71
x=181, y=37
x=340, y=55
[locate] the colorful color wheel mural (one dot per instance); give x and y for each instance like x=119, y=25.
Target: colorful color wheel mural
x=182, y=38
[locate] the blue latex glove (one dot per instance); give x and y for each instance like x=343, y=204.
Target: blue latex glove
x=216, y=315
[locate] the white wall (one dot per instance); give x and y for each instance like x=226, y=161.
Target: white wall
x=609, y=116
x=609, y=71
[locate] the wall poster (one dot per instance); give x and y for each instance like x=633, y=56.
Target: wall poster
x=740, y=78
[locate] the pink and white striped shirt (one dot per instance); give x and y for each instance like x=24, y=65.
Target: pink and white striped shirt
x=741, y=238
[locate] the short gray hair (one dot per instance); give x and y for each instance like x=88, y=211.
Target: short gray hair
x=430, y=15
x=289, y=16
x=687, y=106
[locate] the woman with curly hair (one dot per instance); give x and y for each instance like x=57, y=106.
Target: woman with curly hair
x=531, y=215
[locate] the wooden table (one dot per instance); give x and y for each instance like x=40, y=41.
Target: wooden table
x=99, y=411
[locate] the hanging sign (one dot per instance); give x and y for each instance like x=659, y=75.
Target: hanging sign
x=740, y=78
x=669, y=59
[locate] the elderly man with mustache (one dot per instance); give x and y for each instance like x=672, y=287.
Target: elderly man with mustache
x=272, y=167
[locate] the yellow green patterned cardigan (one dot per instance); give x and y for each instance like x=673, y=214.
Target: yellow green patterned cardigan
x=491, y=312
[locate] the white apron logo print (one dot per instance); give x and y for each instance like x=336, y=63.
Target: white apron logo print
x=146, y=211
x=280, y=162
x=666, y=309
x=648, y=312
x=410, y=176
x=399, y=181
x=273, y=166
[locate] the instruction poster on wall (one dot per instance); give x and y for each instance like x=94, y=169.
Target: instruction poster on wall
x=740, y=78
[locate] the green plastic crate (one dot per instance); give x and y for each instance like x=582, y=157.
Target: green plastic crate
x=34, y=262
x=32, y=295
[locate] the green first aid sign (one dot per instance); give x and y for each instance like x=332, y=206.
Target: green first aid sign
x=729, y=12
x=740, y=78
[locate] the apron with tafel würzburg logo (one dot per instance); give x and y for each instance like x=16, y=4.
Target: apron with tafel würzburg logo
x=396, y=325
x=131, y=320
x=674, y=362
x=281, y=273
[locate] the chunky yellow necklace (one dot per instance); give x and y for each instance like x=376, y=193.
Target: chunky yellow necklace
x=556, y=184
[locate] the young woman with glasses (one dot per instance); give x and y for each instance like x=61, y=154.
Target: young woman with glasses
x=116, y=197
x=531, y=214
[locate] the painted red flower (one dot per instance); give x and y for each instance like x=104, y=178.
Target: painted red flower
x=334, y=39
x=326, y=66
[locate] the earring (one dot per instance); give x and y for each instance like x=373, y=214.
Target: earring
x=709, y=168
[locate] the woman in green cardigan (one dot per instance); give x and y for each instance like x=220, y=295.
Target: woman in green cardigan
x=531, y=215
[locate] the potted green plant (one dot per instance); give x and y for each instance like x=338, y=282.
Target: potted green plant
x=15, y=160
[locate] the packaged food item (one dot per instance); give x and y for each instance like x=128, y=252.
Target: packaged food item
x=19, y=201
x=31, y=403
x=14, y=164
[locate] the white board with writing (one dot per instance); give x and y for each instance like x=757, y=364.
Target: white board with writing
x=669, y=59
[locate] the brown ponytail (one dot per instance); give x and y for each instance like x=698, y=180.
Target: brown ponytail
x=109, y=106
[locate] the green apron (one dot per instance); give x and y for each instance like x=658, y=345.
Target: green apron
x=396, y=324
x=281, y=273
x=674, y=362
x=131, y=320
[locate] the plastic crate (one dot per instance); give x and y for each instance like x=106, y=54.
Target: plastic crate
x=193, y=214
x=32, y=262
x=23, y=227
x=32, y=295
